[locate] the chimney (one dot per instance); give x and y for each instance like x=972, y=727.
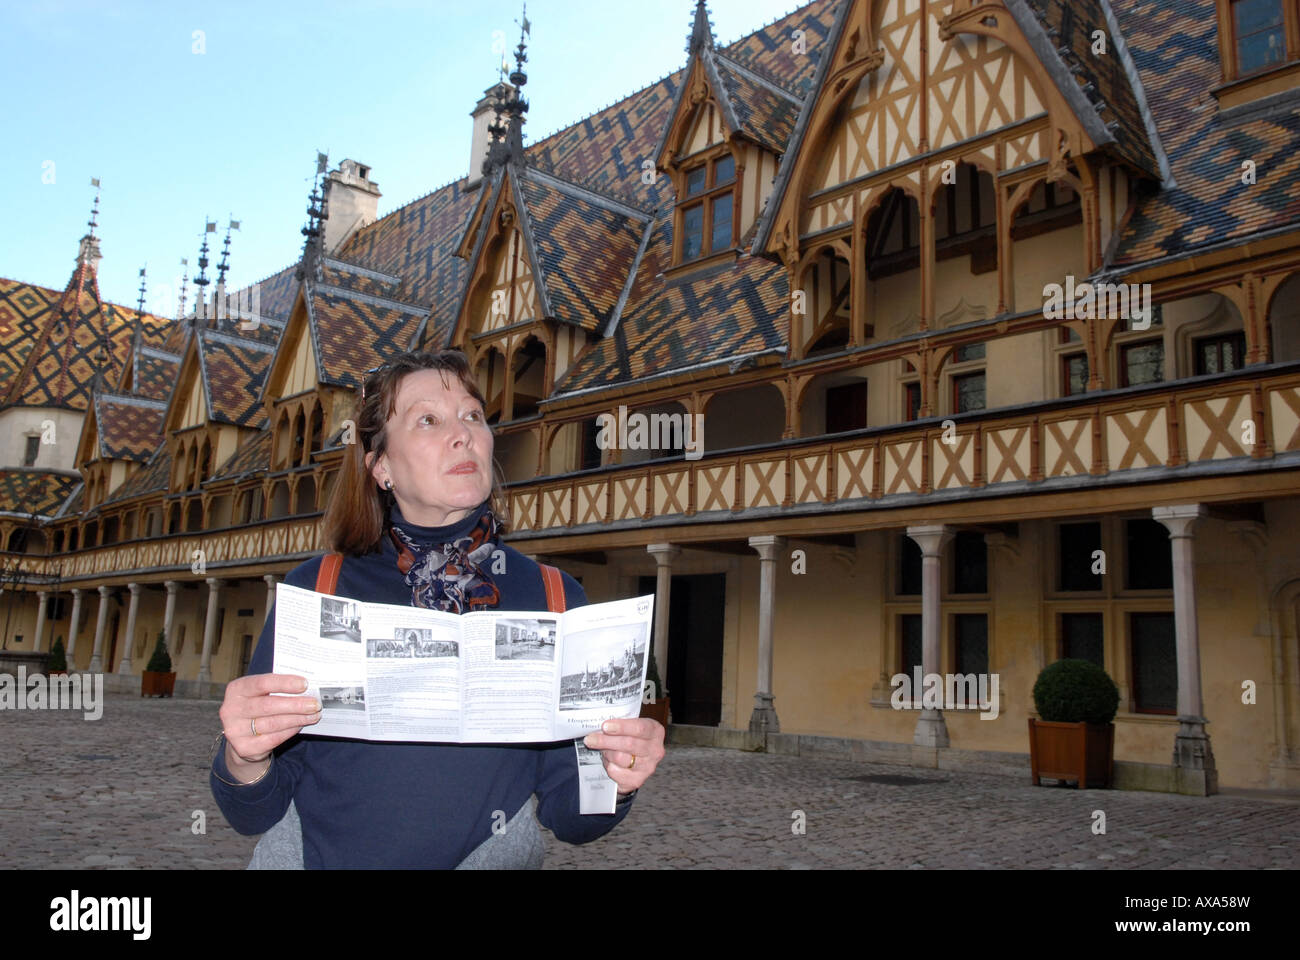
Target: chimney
x=484, y=114
x=353, y=203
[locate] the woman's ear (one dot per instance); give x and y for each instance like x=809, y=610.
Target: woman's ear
x=376, y=468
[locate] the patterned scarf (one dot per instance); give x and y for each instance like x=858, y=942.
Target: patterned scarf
x=450, y=577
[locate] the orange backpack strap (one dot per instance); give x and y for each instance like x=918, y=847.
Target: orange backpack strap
x=554, y=588
x=327, y=580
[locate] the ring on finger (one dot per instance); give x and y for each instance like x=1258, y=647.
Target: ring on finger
x=252, y=725
x=633, y=763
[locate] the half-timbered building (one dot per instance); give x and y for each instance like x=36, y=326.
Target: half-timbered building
x=986, y=316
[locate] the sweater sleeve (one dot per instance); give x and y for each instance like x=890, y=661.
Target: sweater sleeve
x=256, y=807
x=557, y=776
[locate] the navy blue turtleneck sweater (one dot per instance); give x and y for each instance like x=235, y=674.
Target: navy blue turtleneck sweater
x=403, y=805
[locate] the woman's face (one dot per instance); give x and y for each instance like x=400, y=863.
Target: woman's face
x=439, y=456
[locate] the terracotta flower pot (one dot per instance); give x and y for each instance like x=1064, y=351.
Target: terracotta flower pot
x=1079, y=752
x=154, y=684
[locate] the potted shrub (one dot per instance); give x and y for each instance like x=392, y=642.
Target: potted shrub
x=58, y=662
x=158, y=680
x=1074, y=737
x=657, y=709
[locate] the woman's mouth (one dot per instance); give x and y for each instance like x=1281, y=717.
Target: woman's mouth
x=463, y=468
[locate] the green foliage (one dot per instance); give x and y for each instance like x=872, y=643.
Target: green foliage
x=58, y=662
x=652, y=676
x=1070, y=691
x=161, y=661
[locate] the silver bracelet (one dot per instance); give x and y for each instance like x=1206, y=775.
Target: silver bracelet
x=212, y=762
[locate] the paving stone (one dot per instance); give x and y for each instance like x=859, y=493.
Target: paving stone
x=705, y=808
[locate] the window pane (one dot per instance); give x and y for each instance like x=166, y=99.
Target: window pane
x=972, y=642
x=33, y=449
x=1078, y=542
x=721, y=223
x=968, y=393
x=1260, y=38
x=1144, y=363
x=1081, y=637
x=695, y=181
x=1149, y=562
x=912, y=400
x=1155, y=671
x=692, y=232
x=971, y=566
x=1209, y=357
x=909, y=567
x=724, y=170
x=910, y=633
x=972, y=351
x=1076, y=374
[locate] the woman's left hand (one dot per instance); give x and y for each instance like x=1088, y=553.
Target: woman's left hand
x=630, y=750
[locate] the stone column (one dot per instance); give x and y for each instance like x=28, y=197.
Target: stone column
x=764, y=719
x=170, y=613
x=42, y=599
x=664, y=553
x=270, y=595
x=209, y=631
x=72, y=628
x=931, y=729
x=1193, y=757
x=125, y=668
x=96, y=657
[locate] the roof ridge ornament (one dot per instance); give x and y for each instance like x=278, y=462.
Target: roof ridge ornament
x=701, y=30
x=317, y=213
x=507, y=129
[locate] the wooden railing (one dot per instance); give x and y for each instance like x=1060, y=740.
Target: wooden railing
x=1250, y=414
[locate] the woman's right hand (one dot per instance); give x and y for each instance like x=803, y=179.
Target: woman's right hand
x=255, y=723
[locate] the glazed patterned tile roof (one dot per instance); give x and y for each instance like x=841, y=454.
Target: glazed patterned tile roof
x=41, y=365
x=253, y=457
x=346, y=276
x=415, y=243
x=354, y=332
x=128, y=428
x=154, y=373
x=585, y=249
x=714, y=316
x=770, y=52
x=1070, y=25
x=151, y=478
x=1176, y=49
x=233, y=370
x=766, y=115
x=41, y=492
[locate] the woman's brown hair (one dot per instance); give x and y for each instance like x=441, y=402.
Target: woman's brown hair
x=358, y=513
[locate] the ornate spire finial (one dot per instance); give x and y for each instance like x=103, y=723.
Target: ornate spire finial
x=140, y=306
x=317, y=214
x=88, y=251
x=701, y=30
x=224, y=266
x=507, y=129
x=185, y=287
x=93, y=222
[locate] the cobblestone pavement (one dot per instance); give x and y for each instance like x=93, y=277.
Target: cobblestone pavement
x=120, y=793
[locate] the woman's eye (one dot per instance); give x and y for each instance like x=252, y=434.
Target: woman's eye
x=474, y=415
x=429, y=419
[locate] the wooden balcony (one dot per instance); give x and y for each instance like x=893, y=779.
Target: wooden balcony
x=1159, y=432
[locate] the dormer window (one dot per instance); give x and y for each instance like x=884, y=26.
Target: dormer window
x=707, y=209
x=1259, y=48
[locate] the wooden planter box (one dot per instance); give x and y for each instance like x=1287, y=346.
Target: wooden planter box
x=157, y=684
x=657, y=711
x=1079, y=752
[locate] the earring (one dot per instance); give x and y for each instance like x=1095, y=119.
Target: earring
x=388, y=485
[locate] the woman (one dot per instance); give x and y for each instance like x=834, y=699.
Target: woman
x=415, y=514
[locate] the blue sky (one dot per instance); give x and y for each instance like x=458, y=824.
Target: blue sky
x=117, y=91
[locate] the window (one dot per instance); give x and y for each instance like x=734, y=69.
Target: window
x=1155, y=669
x=970, y=569
x=1260, y=35
x=591, y=453
x=971, y=643
x=1220, y=354
x=707, y=224
x=1074, y=374
x=1142, y=363
x=909, y=567
x=33, y=448
x=909, y=633
x=1078, y=543
x=969, y=352
x=968, y=393
x=911, y=401
x=1149, y=557
x=1082, y=638
x=1070, y=335
x=846, y=407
